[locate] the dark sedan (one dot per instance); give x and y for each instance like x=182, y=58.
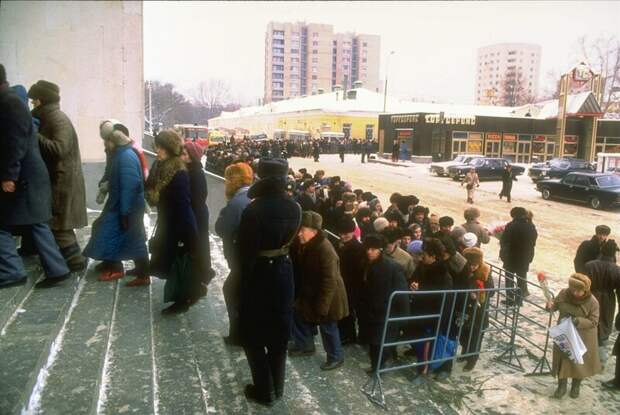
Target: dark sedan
x=558, y=168
x=599, y=190
x=488, y=168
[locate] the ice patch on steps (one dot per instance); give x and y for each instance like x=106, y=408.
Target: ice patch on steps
x=33, y=406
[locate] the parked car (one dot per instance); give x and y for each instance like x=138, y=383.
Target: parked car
x=558, y=168
x=599, y=190
x=441, y=168
x=488, y=168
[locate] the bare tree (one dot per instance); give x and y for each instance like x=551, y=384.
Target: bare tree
x=552, y=86
x=212, y=94
x=514, y=92
x=603, y=55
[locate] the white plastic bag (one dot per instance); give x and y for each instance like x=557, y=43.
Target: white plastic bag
x=568, y=340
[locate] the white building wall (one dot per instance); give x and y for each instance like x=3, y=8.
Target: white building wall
x=92, y=49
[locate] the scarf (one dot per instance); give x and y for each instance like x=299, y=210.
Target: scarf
x=162, y=173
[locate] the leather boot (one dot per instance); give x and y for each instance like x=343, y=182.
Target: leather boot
x=574, y=388
x=561, y=390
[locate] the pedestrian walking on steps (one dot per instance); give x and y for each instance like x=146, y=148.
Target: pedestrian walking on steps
x=25, y=194
x=268, y=226
x=176, y=241
x=507, y=178
x=60, y=150
x=471, y=182
x=118, y=233
x=578, y=303
x=320, y=294
x=238, y=178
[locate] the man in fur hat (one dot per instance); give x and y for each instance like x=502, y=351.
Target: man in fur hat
x=61, y=152
x=395, y=252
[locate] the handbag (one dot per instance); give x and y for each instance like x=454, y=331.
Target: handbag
x=154, y=243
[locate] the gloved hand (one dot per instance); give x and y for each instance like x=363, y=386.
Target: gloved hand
x=575, y=321
x=125, y=222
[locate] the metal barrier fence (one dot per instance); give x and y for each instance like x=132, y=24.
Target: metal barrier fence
x=541, y=321
x=451, y=330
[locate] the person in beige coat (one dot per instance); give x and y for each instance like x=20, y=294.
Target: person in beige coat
x=577, y=302
x=471, y=182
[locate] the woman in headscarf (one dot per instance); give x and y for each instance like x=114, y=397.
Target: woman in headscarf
x=192, y=153
x=175, y=244
x=577, y=303
x=118, y=234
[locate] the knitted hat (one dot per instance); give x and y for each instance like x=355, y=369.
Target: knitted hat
x=380, y=224
x=311, y=219
x=45, y=91
x=470, y=239
x=268, y=167
x=195, y=151
x=415, y=247
x=474, y=255
x=579, y=281
x=345, y=225
x=170, y=141
x=374, y=240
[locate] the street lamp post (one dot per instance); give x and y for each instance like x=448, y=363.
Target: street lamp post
x=387, y=69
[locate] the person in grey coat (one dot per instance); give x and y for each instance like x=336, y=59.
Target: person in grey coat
x=239, y=177
x=25, y=198
x=60, y=150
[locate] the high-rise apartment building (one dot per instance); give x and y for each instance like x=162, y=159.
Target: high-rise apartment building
x=305, y=58
x=507, y=73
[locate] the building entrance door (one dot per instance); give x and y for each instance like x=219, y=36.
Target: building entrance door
x=492, y=149
x=523, y=152
x=459, y=146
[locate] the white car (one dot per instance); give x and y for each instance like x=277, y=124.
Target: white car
x=441, y=168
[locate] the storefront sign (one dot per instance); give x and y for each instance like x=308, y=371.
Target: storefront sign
x=525, y=137
x=404, y=119
x=475, y=136
x=494, y=136
x=540, y=138
x=510, y=137
x=404, y=134
x=570, y=139
x=449, y=119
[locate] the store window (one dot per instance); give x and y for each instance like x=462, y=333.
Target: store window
x=543, y=148
x=608, y=144
x=570, y=145
x=509, y=147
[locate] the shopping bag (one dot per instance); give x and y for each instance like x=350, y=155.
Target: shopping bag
x=444, y=348
x=179, y=284
x=568, y=340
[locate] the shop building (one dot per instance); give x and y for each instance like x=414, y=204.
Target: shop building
x=523, y=134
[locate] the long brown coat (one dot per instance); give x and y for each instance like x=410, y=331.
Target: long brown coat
x=320, y=293
x=60, y=150
x=587, y=313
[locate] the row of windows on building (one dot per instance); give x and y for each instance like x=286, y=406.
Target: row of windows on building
x=510, y=52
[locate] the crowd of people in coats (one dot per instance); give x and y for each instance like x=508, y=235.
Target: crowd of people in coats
x=289, y=277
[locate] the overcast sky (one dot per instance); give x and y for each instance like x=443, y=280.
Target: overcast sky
x=435, y=42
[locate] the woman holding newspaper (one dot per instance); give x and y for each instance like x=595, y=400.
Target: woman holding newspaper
x=577, y=303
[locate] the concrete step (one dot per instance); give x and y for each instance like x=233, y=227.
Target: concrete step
x=11, y=298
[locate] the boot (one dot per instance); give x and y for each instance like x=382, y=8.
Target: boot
x=561, y=390
x=574, y=388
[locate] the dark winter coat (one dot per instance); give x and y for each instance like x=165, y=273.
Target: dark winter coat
x=320, y=293
x=199, y=193
x=352, y=256
x=270, y=221
x=381, y=279
x=517, y=245
x=477, y=229
x=507, y=178
x=605, y=277
x=587, y=251
x=60, y=150
x=586, y=311
x=227, y=224
x=306, y=202
x=109, y=241
x=434, y=277
x=21, y=162
x=176, y=224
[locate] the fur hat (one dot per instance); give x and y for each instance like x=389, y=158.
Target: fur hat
x=518, y=213
x=368, y=196
x=392, y=234
x=362, y=213
x=474, y=255
x=470, y=240
x=194, y=151
x=349, y=197
x=419, y=209
x=237, y=176
x=374, y=240
x=268, y=167
x=114, y=131
x=45, y=91
x=579, y=281
x=415, y=247
x=609, y=248
x=471, y=213
x=380, y=224
x=311, y=219
x=170, y=141
x=345, y=225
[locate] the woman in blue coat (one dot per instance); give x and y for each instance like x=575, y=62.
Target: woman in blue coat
x=118, y=234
